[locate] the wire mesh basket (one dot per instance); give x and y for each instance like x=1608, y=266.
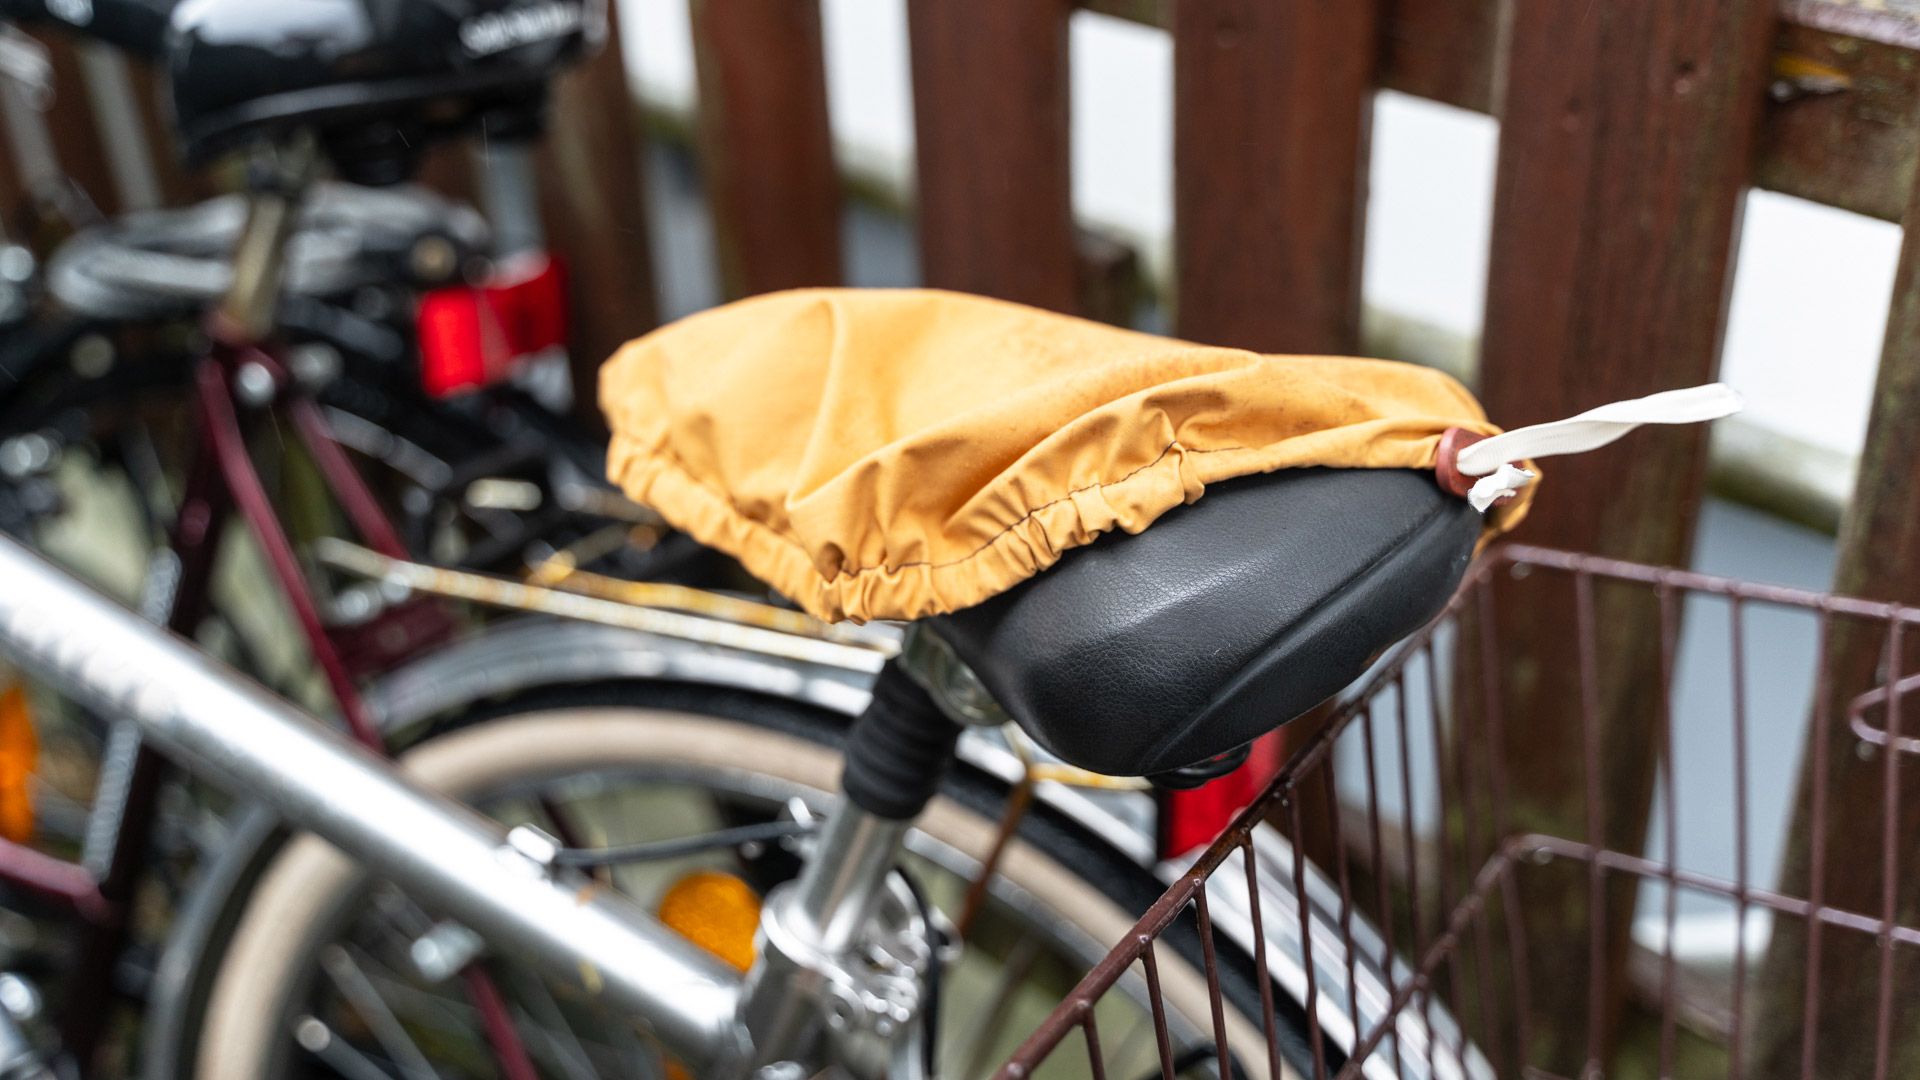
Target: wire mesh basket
x=1597, y=819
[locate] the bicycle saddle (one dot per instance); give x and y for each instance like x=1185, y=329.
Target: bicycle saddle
x=170, y=261
x=374, y=79
x=1140, y=654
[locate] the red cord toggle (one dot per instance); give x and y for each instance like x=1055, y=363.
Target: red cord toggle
x=1446, y=471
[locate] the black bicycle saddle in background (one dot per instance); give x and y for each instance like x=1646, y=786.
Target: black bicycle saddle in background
x=375, y=78
x=1228, y=617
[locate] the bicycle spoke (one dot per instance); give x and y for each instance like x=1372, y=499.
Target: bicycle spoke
x=427, y=1010
x=1136, y=1044
x=318, y=1039
x=387, y=1029
x=408, y=919
x=546, y=1017
x=980, y=1039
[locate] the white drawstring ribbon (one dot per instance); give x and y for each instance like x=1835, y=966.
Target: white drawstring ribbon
x=1502, y=482
x=1492, y=459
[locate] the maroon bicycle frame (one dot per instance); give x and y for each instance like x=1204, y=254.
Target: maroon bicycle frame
x=221, y=479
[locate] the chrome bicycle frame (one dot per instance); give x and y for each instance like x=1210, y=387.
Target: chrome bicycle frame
x=238, y=735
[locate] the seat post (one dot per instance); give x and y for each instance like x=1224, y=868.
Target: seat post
x=277, y=177
x=897, y=753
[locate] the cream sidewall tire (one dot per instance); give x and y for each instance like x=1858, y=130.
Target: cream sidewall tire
x=298, y=897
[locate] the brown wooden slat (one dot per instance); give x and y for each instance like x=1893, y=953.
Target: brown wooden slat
x=765, y=145
x=990, y=121
x=76, y=139
x=448, y=168
x=1441, y=49
x=1107, y=277
x=1626, y=141
x=592, y=201
x=177, y=185
x=1841, y=118
x=1272, y=110
x=1146, y=12
x=1879, y=557
x=1842, y=126
x=1848, y=136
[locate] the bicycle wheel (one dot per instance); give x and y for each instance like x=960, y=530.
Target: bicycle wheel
x=323, y=958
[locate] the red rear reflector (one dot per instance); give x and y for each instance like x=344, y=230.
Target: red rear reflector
x=450, y=328
x=472, y=337
x=1191, y=819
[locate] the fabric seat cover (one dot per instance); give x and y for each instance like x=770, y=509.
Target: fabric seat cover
x=897, y=454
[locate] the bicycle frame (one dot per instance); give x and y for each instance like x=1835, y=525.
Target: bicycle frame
x=232, y=384
x=242, y=737
x=221, y=480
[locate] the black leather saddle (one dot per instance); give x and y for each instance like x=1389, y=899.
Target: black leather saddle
x=1143, y=654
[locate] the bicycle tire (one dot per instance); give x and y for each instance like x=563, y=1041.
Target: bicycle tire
x=1077, y=877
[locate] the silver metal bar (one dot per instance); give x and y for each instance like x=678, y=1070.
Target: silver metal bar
x=482, y=589
x=838, y=886
x=336, y=1054
x=810, y=925
x=510, y=194
x=258, y=263
x=386, y=1027
x=446, y=855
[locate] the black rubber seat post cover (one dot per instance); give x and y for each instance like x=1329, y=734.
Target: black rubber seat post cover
x=899, y=748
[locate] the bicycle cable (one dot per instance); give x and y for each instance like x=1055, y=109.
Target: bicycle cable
x=685, y=845
x=936, y=940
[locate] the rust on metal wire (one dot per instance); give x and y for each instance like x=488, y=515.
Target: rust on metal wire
x=498, y=592
x=1434, y=881
x=561, y=573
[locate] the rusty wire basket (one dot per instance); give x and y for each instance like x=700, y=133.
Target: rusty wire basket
x=1425, y=856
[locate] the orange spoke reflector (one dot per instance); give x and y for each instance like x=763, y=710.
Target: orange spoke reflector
x=19, y=751
x=715, y=911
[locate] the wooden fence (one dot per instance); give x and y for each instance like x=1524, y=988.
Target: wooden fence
x=1630, y=130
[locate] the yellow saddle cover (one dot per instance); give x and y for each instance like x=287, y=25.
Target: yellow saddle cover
x=893, y=454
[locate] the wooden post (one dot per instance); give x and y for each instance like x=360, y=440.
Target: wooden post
x=76, y=145
x=177, y=185
x=765, y=145
x=448, y=168
x=1107, y=278
x=1441, y=49
x=1272, y=112
x=990, y=120
x=76, y=137
x=1626, y=139
x=1879, y=558
x=593, y=201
